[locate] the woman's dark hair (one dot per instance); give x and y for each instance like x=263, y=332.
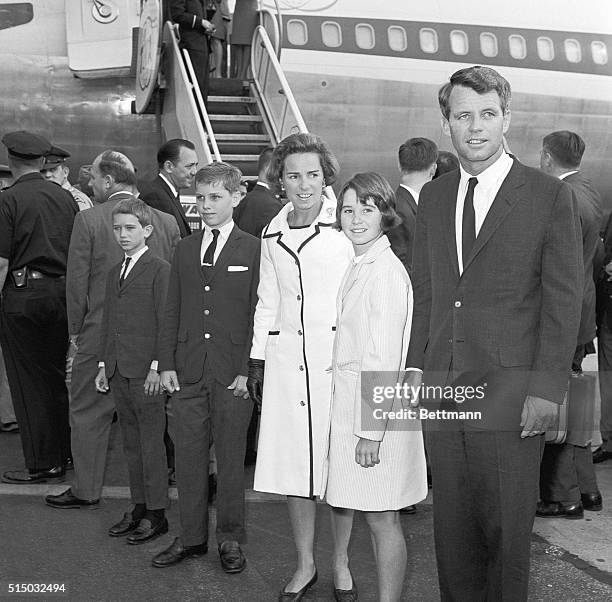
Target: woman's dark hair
x=299, y=144
x=373, y=187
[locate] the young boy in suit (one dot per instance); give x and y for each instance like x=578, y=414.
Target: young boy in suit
x=205, y=344
x=133, y=309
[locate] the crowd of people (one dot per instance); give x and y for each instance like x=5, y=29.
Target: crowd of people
x=477, y=273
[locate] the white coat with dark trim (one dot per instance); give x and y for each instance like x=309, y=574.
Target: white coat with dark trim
x=294, y=334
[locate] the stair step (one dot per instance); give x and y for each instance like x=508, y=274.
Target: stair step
x=239, y=158
x=233, y=99
x=247, y=118
x=243, y=138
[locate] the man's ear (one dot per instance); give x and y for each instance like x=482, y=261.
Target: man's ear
x=445, y=126
x=507, y=117
x=236, y=198
x=148, y=230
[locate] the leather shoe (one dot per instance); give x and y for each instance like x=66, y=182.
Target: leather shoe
x=9, y=427
x=559, y=510
x=285, y=596
x=232, y=558
x=601, y=455
x=591, y=501
x=177, y=552
x=146, y=531
x=408, y=510
x=126, y=525
x=69, y=500
x=26, y=477
x=347, y=595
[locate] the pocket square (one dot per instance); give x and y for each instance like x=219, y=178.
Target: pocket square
x=237, y=268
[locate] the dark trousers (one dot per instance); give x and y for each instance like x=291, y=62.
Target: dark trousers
x=566, y=472
x=485, y=487
x=196, y=413
x=142, y=419
x=199, y=60
x=34, y=338
x=604, y=357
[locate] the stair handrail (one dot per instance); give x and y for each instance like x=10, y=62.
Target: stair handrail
x=196, y=101
x=277, y=23
x=263, y=64
x=202, y=108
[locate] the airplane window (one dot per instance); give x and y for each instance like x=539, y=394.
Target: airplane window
x=459, y=42
x=600, y=53
x=397, y=38
x=488, y=44
x=332, y=34
x=297, y=32
x=573, y=53
x=364, y=36
x=429, y=40
x=518, y=46
x=546, y=49
x=17, y=13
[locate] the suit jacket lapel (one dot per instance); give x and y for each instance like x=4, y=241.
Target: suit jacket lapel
x=136, y=270
x=448, y=223
x=504, y=201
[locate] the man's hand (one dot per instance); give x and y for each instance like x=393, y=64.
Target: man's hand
x=413, y=380
x=255, y=379
x=169, y=381
x=538, y=416
x=366, y=453
x=101, y=381
x=152, y=385
x=239, y=386
x=208, y=26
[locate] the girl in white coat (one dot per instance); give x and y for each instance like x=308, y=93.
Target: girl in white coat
x=303, y=259
x=373, y=466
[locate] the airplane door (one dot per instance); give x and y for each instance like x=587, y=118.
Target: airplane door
x=149, y=49
x=99, y=34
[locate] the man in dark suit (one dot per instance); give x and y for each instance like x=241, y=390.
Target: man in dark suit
x=178, y=163
x=417, y=162
x=259, y=206
x=568, y=484
x=194, y=29
x=92, y=253
x=205, y=345
x=498, y=287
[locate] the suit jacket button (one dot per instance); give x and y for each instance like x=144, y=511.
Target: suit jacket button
x=301, y=368
x=302, y=403
x=299, y=333
x=206, y=335
x=207, y=288
x=457, y=303
x=206, y=312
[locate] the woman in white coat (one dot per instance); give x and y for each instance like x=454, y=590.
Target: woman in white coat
x=375, y=466
x=303, y=259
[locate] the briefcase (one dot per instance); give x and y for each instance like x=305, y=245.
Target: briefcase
x=575, y=414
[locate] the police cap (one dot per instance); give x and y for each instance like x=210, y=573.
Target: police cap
x=26, y=145
x=56, y=156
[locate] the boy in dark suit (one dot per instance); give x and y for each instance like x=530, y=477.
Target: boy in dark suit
x=133, y=308
x=205, y=344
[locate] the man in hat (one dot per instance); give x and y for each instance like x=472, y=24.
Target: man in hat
x=36, y=220
x=56, y=170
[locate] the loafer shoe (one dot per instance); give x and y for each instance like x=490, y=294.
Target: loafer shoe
x=9, y=427
x=559, y=510
x=232, y=558
x=601, y=455
x=591, y=501
x=176, y=553
x=69, y=500
x=408, y=510
x=146, y=531
x=347, y=595
x=286, y=596
x=126, y=525
x=26, y=477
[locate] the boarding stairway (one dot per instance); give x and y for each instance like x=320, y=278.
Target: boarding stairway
x=240, y=118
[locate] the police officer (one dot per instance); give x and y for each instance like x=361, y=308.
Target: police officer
x=56, y=170
x=36, y=218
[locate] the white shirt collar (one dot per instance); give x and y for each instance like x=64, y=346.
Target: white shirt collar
x=567, y=173
x=169, y=183
x=264, y=184
x=224, y=231
x=412, y=191
x=136, y=255
x=491, y=176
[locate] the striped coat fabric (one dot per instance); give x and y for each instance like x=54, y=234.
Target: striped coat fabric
x=374, y=310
